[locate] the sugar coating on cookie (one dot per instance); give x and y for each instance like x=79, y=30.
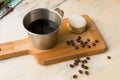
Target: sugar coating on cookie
x=77, y=24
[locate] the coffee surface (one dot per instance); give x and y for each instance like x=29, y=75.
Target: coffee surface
x=42, y=26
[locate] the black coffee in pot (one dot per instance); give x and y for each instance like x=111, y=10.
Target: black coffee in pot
x=42, y=26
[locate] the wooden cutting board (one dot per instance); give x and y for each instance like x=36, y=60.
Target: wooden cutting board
x=61, y=52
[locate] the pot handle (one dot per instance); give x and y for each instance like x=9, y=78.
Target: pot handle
x=61, y=12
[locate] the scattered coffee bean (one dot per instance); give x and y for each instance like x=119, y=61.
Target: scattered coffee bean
x=96, y=41
x=78, y=60
x=80, y=71
x=94, y=44
x=88, y=40
x=81, y=42
x=75, y=63
x=78, y=40
x=79, y=37
x=82, y=45
x=86, y=67
x=71, y=65
x=108, y=57
x=76, y=47
x=88, y=58
x=68, y=43
x=82, y=65
x=84, y=61
x=88, y=46
x=75, y=76
x=85, y=42
x=86, y=72
x=73, y=44
x=71, y=41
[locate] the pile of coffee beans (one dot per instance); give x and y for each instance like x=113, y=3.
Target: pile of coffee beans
x=81, y=42
x=83, y=66
x=82, y=63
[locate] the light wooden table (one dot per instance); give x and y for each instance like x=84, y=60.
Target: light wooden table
x=105, y=14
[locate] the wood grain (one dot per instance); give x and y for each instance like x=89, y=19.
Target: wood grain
x=61, y=52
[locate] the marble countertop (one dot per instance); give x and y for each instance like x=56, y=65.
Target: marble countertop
x=104, y=13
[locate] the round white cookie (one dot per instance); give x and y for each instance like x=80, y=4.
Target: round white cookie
x=76, y=24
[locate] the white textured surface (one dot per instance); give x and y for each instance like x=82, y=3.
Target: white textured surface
x=106, y=16
x=77, y=21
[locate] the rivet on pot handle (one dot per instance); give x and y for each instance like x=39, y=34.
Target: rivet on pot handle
x=61, y=12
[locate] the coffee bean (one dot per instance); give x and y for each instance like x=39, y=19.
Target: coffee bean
x=72, y=66
x=71, y=41
x=80, y=71
x=86, y=67
x=78, y=40
x=88, y=40
x=108, y=57
x=75, y=63
x=81, y=42
x=0, y=49
x=82, y=45
x=79, y=37
x=88, y=58
x=68, y=43
x=86, y=72
x=76, y=47
x=84, y=61
x=85, y=43
x=94, y=44
x=88, y=46
x=73, y=44
x=78, y=60
x=82, y=65
x=75, y=76
x=96, y=41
